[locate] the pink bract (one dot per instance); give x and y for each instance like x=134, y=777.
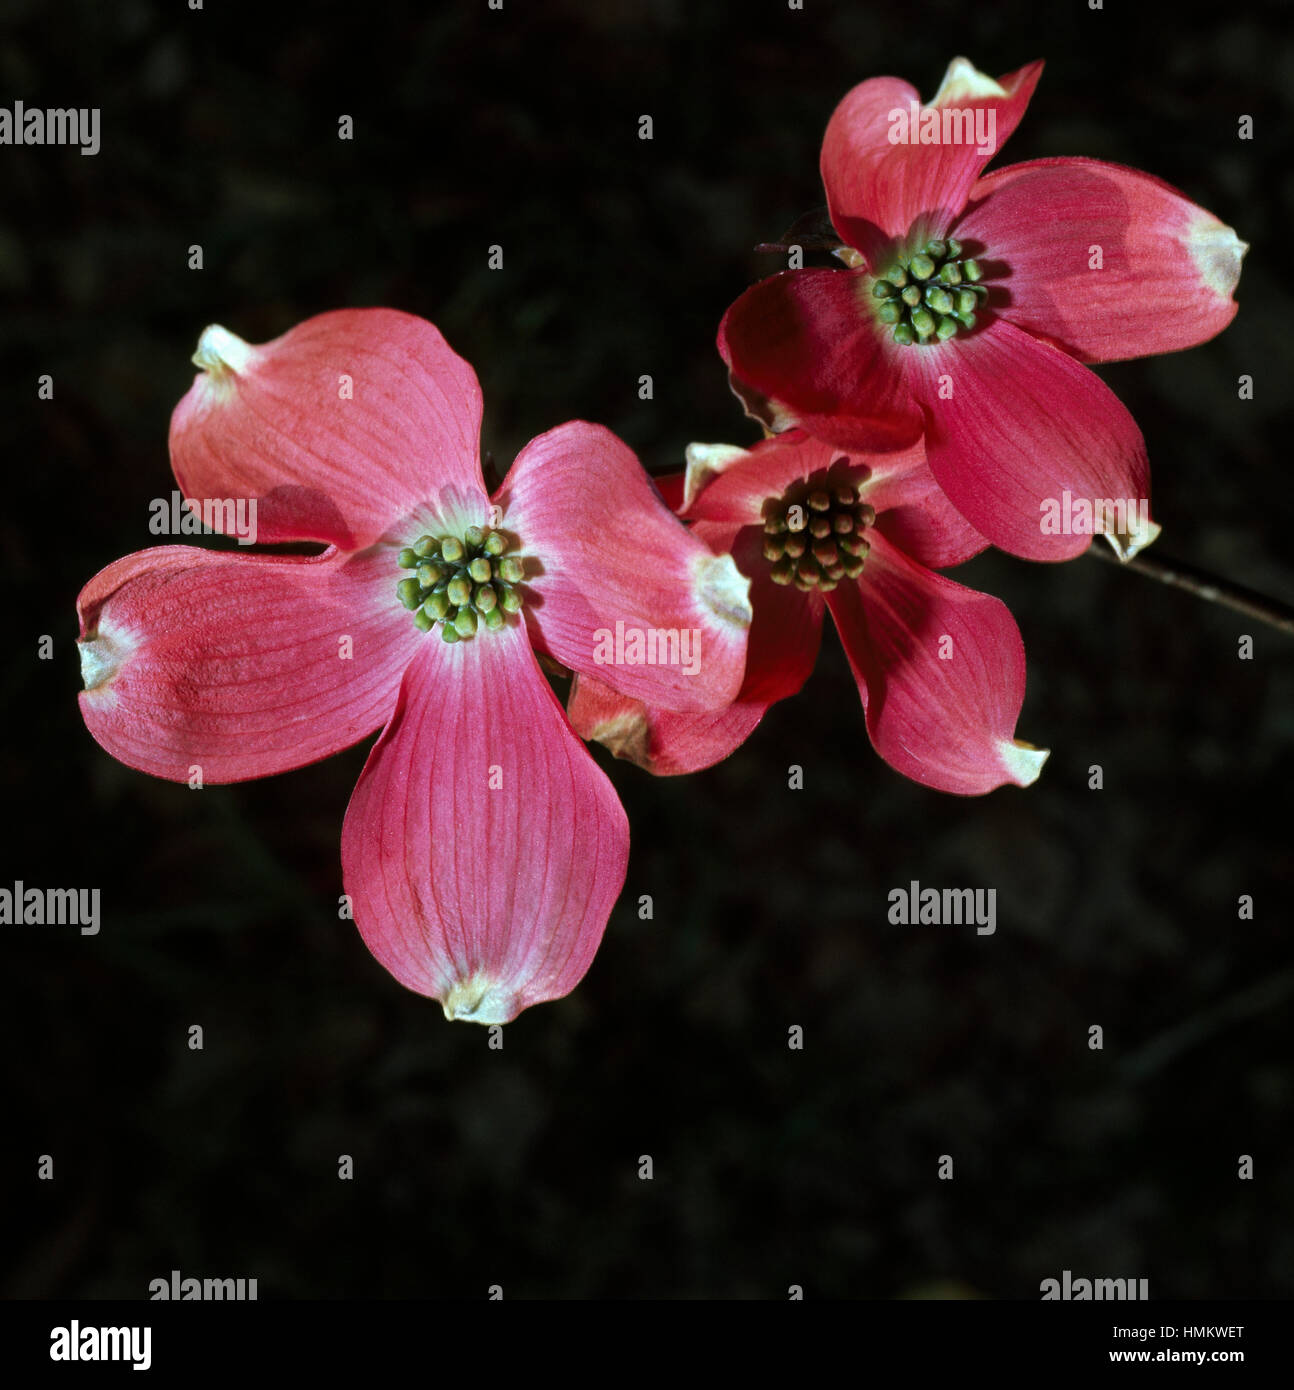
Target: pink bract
x=1081, y=262
x=483, y=849
x=940, y=668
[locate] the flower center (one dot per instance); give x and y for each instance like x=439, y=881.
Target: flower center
x=461, y=584
x=813, y=533
x=931, y=294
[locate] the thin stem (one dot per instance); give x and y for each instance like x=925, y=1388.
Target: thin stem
x=1179, y=575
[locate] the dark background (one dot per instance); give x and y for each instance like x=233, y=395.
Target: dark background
x=1116, y=907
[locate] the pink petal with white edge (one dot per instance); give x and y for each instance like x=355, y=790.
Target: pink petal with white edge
x=736, y=493
x=241, y=665
x=1013, y=426
x=804, y=348
x=941, y=672
x=666, y=743
x=338, y=429
x=483, y=848
x=616, y=586
x=785, y=637
x=786, y=631
x=705, y=462
x=1106, y=262
x=879, y=189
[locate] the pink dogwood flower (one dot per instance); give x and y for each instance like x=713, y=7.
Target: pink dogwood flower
x=971, y=303
x=940, y=668
x=483, y=848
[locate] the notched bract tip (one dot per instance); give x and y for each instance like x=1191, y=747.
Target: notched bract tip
x=963, y=81
x=103, y=653
x=479, y=999
x=1127, y=542
x=724, y=590
x=704, y=463
x=1023, y=761
x=221, y=353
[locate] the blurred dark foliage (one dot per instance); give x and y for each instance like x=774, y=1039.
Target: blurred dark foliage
x=1116, y=907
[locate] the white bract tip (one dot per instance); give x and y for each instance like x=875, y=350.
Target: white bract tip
x=479, y=1000
x=1022, y=761
x=1217, y=253
x=626, y=734
x=1126, y=543
x=102, y=656
x=724, y=590
x=964, y=82
x=222, y=353
x=704, y=462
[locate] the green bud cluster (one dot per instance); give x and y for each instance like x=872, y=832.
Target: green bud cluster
x=462, y=584
x=932, y=294
x=813, y=533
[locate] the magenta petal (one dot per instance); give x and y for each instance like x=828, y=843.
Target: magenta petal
x=911, y=507
x=666, y=743
x=940, y=669
x=339, y=429
x=807, y=342
x=670, y=487
x=784, y=640
x=240, y=665
x=878, y=188
x=1107, y=262
x=931, y=531
x=786, y=632
x=616, y=585
x=483, y=849
x=736, y=493
x=785, y=637
x=914, y=514
x=1014, y=427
